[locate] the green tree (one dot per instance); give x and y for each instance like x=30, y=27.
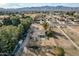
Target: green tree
x=8, y=38
x=70, y=13
x=6, y=21
x=49, y=33
x=1, y=24
x=26, y=22
x=21, y=30
x=15, y=20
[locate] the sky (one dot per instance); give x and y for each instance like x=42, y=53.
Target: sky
x=39, y=1
x=20, y=5
x=36, y=3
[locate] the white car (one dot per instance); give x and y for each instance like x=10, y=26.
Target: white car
x=20, y=42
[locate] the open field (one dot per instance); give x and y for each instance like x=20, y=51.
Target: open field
x=63, y=42
x=75, y=28
x=73, y=35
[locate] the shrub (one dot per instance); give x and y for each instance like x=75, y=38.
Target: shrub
x=58, y=51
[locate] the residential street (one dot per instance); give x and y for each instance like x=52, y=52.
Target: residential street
x=25, y=42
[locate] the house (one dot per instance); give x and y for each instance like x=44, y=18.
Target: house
x=39, y=35
x=39, y=20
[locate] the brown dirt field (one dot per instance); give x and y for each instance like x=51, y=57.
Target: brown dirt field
x=50, y=42
x=76, y=28
x=40, y=27
x=62, y=41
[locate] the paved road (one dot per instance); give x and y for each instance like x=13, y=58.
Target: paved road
x=24, y=43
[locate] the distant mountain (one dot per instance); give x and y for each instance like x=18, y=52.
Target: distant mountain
x=50, y=8
x=42, y=8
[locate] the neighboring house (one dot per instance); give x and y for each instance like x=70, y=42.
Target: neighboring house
x=76, y=21
x=39, y=20
x=39, y=35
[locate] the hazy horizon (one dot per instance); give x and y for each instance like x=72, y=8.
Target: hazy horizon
x=20, y=5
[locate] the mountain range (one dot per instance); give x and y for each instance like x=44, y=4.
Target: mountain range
x=42, y=8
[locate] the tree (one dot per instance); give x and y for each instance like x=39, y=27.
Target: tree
x=49, y=33
x=26, y=22
x=15, y=20
x=6, y=21
x=8, y=38
x=12, y=33
x=23, y=16
x=1, y=24
x=21, y=30
x=70, y=13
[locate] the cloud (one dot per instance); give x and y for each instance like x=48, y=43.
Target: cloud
x=39, y=1
x=20, y=5
x=11, y=5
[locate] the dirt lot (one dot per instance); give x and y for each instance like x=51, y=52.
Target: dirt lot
x=73, y=35
x=75, y=28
